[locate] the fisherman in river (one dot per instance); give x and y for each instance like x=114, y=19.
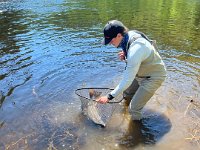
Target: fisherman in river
x=145, y=70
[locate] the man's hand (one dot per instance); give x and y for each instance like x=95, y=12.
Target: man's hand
x=102, y=100
x=121, y=55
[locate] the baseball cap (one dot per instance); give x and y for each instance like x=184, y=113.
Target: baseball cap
x=111, y=29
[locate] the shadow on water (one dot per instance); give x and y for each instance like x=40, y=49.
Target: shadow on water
x=147, y=131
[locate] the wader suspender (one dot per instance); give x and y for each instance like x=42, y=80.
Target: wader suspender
x=153, y=42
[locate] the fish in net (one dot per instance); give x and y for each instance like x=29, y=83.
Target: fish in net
x=99, y=113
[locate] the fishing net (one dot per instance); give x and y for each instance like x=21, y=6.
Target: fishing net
x=97, y=112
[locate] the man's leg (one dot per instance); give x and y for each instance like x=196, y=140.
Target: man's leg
x=130, y=91
x=144, y=93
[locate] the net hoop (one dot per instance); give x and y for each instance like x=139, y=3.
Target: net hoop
x=77, y=92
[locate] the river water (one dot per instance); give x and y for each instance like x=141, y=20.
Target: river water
x=49, y=48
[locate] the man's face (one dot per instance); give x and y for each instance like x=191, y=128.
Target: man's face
x=117, y=40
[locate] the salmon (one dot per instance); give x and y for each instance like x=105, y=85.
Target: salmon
x=92, y=108
x=94, y=114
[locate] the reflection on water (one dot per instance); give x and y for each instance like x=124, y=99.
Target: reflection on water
x=50, y=48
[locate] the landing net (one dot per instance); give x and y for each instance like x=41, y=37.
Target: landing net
x=97, y=112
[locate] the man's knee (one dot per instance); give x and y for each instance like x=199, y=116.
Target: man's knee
x=135, y=114
x=135, y=109
x=127, y=100
x=128, y=97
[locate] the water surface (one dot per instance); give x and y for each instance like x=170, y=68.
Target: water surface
x=50, y=48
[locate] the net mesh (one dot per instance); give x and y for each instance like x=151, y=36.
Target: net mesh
x=97, y=112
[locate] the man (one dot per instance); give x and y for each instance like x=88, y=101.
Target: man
x=145, y=71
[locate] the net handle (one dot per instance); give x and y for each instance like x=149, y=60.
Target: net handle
x=110, y=102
